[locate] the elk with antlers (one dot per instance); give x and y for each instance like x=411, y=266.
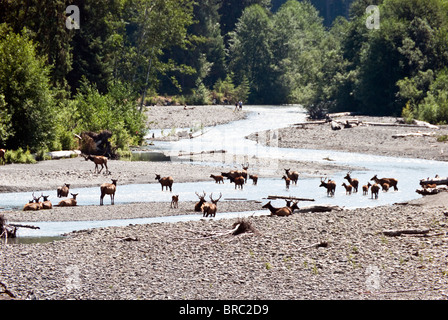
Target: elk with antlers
x=353, y=182
x=99, y=161
x=330, y=186
x=108, y=188
x=209, y=209
x=392, y=182
x=166, y=182
x=198, y=205
x=294, y=176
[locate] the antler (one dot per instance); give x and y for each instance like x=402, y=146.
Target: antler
x=211, y=197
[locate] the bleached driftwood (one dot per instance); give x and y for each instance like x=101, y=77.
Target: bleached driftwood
x=414, y=134
x=436, y=181
x=289, y=198
x=319, y=208
x=431, y=191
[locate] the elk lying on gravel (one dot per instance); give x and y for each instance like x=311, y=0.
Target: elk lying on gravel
x=31, y=206
x=209, y=209
x=254, y=178
x=287, y=181
x=294, y=176
x=330, y=186
x=294, y=205
x=62, y=192
x=353, y=182
x=374, y=190
x=46, y=204
x=2, y=156
x=365, y=189
x=217, y=178
x=392, y=182
x=166, y=182
x=68, y=202
x=108, y=188
x=198, y=205
x=99, y=161
x=284, y=211
x=175, y=201
x=348, y=188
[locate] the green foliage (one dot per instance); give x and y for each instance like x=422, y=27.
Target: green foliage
x=19, y=156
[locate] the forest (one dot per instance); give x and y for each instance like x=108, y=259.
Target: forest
x=97, y=67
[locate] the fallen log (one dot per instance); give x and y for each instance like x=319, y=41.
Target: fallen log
x=395, y=233
x=289, y=198
x=413, y=134
x=404, y=125
x=319, y=208
x=437, y=181
x=335, y=126
x=202, y=152
x=431, y=191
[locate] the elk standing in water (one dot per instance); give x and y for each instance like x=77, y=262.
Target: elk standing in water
x=348, y=188
x=353, y=182
x=392, y=182
x=294, y=176
x=166, y=182
x=287, y=181
x=62, y=192
x=108, y=188
x=330, y=186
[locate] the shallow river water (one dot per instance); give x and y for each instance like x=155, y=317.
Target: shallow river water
x=231, y=137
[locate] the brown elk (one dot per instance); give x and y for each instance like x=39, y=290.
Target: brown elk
x=198, y=205
x=63, y=191
x=330, y=186
x=365, y=189
x=293, y=206
x=68, y=202
x=294, y=176
x=385, y=187
x=254, y=178
x=392, y=182
x=244, y=171
x=166, y=182
x=284, y=211
x=46, y=204
x=231, y=175
x=99, y=161
x=374, y=190
x=31, y=206
x=348, y=188
x=353, y=182
x=209, y=209
x=108, y=188
x=287, y=181
x=217, y=178
x=239, y=182
x=2, y=156
x=175, y=201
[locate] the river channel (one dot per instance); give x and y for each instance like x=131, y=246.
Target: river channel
x=231, y=137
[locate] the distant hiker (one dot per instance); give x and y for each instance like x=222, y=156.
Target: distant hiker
x=241, y=105
x=236, y=107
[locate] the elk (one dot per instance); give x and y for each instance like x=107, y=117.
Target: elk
x=239, y=182
x=293, y=206
x=99, y=161
x=294, y=176
x=209, y=209
x=374, y=190
x=198, y=205
x=287, y=181
x=68, y=202
x=31, y=206
x=285, y=211
x=174, y=201
x=46, y=204
x=330, y=186
x=254, y=178
x=365, y=189
x=244, y=171
x=166, y=182
x=217, y=178
x=63, y=191
x=108, y=188
x=385, y=187
x=348, y=188
x=231, y=175
x=353, y=182
x=2, y=156
x=392, y=182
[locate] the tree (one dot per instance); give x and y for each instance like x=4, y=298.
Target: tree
x=25, y=84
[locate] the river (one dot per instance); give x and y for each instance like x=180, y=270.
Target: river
x=231, y=137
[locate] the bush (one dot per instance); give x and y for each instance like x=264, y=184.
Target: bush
x=19, y=156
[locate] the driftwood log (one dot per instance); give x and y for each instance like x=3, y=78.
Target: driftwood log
x=396, y=233
x=289, y=198
x=436, y=181
x=431, y=191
